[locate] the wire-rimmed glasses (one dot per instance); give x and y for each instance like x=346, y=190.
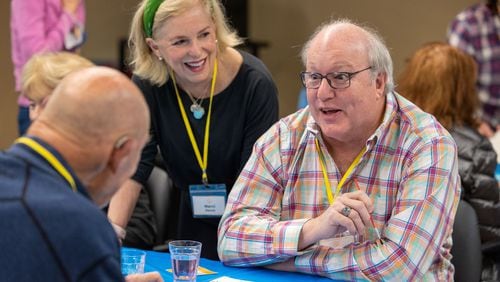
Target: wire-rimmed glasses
x=336, y=80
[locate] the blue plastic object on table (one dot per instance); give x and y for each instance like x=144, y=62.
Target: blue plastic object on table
x=497, y=173
x=156, y=261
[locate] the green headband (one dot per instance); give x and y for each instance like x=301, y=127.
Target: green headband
x=149, y=16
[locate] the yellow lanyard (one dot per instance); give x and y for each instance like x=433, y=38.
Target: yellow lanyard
x=203, y=163
x=50, y=158
x=344, y=177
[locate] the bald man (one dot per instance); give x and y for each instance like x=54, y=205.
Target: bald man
x=82, y=147
x=359, y=185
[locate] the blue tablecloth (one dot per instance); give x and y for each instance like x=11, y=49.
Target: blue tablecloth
x=156, y=261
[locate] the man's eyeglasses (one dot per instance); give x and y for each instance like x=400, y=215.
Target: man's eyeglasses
x=336, y=80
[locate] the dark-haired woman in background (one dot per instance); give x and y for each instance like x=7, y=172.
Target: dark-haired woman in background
x=441, y=79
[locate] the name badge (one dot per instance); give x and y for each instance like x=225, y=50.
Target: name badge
x=340, y=241
x=208, y=200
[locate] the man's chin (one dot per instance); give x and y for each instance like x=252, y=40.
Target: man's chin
x=104, y=205
x=103, y=196
x=332, y=131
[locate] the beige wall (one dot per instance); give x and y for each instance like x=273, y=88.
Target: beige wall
x=284, y=24
x=8, y=108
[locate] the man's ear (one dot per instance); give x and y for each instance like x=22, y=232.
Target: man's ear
x=120, y=153
x=380, y=83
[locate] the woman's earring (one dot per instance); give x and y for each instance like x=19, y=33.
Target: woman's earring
x=160, y=58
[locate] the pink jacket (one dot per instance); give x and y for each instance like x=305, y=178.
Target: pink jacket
x=39, y=26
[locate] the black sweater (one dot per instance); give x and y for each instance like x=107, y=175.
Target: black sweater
x=241, y=113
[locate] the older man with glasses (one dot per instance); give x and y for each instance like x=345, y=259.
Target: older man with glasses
x=361, y=184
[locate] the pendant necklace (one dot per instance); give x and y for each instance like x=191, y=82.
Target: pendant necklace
x=196, y=108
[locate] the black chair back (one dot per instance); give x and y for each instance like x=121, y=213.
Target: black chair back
x=466, y=250
x=159, y=188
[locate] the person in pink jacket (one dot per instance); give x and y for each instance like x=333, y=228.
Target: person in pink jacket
x=42, y=26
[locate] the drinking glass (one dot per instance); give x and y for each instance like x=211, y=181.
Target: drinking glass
x=185, y=256
x=133, y=261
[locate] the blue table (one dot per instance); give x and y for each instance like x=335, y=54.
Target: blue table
x=156, y=261
x=497, y=172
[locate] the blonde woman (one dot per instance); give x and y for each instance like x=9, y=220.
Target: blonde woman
x=209, y=103
x=43, y=72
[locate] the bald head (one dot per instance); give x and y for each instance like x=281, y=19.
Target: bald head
x=95, y=104
x=347, y=36
x=343, y=32
x=98, y=120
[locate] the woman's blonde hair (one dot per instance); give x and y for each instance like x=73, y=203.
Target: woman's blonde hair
x=143, y=61
x=441, y=80
x=43, y=72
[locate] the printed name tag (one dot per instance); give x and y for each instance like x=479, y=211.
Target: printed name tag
x=208, y=200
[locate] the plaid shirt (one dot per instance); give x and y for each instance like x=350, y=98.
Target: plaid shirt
x=409, y=170
x=477, y=31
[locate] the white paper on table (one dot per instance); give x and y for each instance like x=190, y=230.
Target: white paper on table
x=228, y=279
x=495, y=140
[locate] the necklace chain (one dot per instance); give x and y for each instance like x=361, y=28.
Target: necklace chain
x=196, y=108
x=197, y=101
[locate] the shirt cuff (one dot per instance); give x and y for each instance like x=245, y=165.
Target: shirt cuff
x=287, y=241
x=74, y=38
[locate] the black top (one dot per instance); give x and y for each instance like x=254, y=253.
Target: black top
x=49, y=232
x=240, y=114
